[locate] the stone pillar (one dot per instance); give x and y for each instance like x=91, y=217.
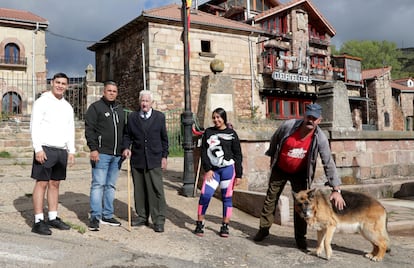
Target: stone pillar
x=216, y=91
x=336, y=112
x=94, y=90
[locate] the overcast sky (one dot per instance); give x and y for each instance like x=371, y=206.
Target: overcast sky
x=91, y=20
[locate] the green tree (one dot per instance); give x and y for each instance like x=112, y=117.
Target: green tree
x=374, y=54
x=334, y=51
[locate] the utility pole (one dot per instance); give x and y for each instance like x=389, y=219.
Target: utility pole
x=34, y=33
x=187, y=116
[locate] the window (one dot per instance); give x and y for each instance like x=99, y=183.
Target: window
x=318, y=60
x=386, y=119
x=276, y=25
x=205, y=46
x=107, y=67
x=12, y=53
x=258, y=5
x=12, y=103
x=284, y=108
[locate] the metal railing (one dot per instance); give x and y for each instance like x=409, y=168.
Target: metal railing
x=174, y=130
x=20, y=61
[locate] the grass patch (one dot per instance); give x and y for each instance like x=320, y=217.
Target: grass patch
x=81, y=229
x=176, y=153
x=4, y=154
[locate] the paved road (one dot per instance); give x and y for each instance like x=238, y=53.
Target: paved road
x=177, y=246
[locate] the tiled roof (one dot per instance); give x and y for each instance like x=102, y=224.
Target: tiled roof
x=291, y=4
x=401, y=84
x=173, y=13
x=217, y=2
x=20, y=16
x=372, y=73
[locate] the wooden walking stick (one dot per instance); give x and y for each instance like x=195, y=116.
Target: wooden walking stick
x=197, y=176
x=129, y=193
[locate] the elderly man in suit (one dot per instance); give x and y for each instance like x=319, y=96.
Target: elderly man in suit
x=146, y=142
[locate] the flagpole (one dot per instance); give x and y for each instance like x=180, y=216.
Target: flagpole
x=187, y=116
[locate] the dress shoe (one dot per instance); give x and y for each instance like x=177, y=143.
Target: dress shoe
x=139, y=223
x=159, y=228
x=301, y=244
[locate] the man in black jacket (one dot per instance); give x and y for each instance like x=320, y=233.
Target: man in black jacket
x=104, y=126
x=146, y=142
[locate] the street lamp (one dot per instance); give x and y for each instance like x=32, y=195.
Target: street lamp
x=34, y=33
x=187, y=116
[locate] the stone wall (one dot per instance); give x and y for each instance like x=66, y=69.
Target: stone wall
x=363, y=157
x=370, y=156
x=381, y=107
x=164, y=75
x=399, y=118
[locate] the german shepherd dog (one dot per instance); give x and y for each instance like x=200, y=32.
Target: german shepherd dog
x=362, y=214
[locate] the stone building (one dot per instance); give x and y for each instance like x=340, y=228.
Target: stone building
x=22, y=60
x=147, y=53
x=276, y=66
x=403, y=94
x=380, y=110
x=295, y=57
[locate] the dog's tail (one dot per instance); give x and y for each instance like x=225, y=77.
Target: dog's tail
x=386, y=233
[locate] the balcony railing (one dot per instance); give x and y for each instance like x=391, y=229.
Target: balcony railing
x=13, y=61
x=318, y=41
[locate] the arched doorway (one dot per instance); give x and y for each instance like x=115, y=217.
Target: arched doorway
x=11, y=103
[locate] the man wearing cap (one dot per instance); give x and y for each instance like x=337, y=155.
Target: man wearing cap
x=293, y=152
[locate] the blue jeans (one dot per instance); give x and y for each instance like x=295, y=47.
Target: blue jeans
x=104, y=176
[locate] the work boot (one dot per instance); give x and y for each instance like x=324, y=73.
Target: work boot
x=261, y=234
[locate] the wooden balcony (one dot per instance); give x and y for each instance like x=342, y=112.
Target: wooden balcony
x=318, y=41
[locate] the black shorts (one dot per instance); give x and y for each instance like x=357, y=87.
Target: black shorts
x=54, y=168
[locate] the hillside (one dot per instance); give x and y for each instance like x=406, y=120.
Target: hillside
x=407, y=62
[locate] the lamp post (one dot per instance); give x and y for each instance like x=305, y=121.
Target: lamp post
x=34, y=33
x=187, y=116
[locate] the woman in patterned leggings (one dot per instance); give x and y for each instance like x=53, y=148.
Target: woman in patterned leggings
x=221, y=159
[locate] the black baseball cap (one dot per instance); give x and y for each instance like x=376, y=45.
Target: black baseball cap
x=314, y=110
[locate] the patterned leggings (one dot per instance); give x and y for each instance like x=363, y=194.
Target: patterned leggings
x=225, y=178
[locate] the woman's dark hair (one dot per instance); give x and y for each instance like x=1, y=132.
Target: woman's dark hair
x=222, y=113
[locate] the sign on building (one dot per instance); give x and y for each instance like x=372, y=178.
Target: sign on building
x=289, y=77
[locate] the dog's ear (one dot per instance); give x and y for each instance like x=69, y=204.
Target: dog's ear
x=294, y=194
x=311, y=193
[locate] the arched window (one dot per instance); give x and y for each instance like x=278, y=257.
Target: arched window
x=387, y=119
x=12, y=103
x=12, y=53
